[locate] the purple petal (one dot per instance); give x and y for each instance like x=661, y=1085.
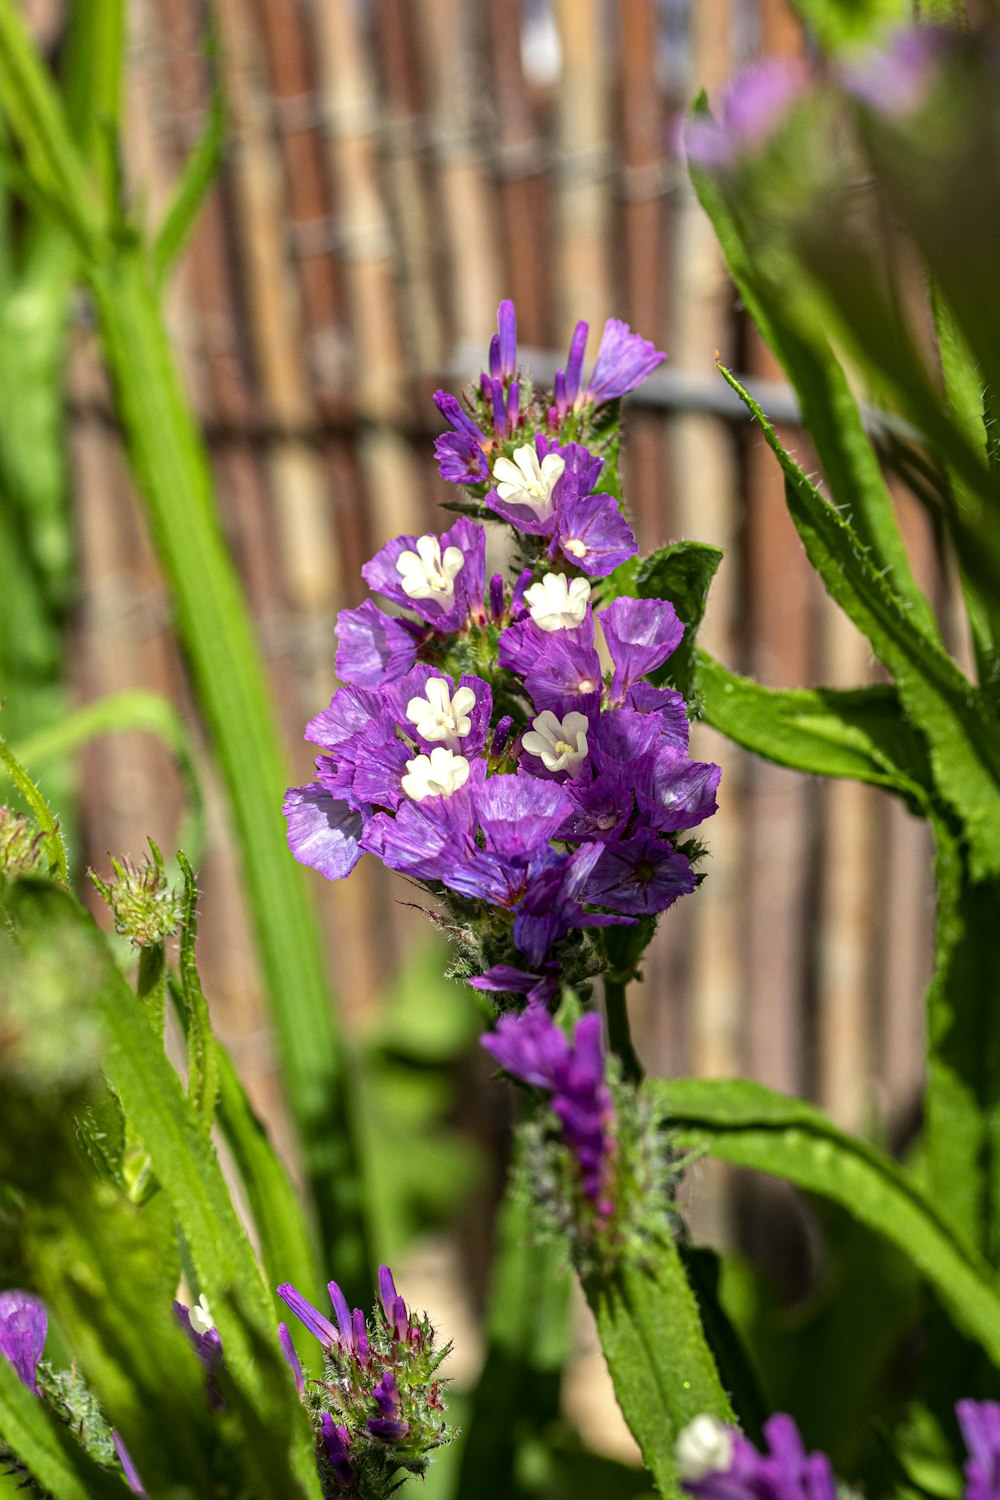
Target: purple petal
x=519, y=814
x=386, y=1290
x=529, y=1046
x=388, y=1429
x=623, y=361
x=566, y=672
x=460, y=455
x=128, y=1467
x=641, y=634
x=372, y=646
x=683, y=792
x=318, y=1325
x=574, y=363
x=294, y=1363
x=23, y=1327
x=343, y=1314
x=322, y=832
x=667, y=704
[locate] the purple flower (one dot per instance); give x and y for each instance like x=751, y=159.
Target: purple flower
x=323, y=831
x=592, y=533
x=533, y=1048
x=551, y=904
x=682, y=793
x=716, y=1462
x=641, y=634
x=460, y=453
x=641, y=876
x=441, y=578
x=23, y=1327
x=754, y=107
x=624, y=360
x=980, y=1425
x=373, y=647
x=128, y=1467
x=204, y=1337
x=506, y=342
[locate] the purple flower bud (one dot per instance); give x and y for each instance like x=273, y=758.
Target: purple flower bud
x=337, y=1442
x=388, y=1429
x=499, y=408
x=500, y=737
x=294, y=1364
x=561, y=404
x=494, y=358
x=386, y=1395
x=513, y=406
x=23, y=1327
x=131, y=1472
x=319, y=1326
x=574, y=364
x=496, y=598
x=387, y=1291
x=343, y=1312
x=360, y=1331
x=507, y=339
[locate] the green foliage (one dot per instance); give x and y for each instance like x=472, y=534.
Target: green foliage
x=859, y=734
x=652, y=1339
x=751, y=1126
x=682, y=573
x=172, y=467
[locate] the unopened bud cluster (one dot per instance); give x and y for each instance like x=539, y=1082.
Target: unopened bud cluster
x=142, y=903
x=22, y=846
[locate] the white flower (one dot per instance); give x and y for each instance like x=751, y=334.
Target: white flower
x=558, y=602
x=426, y=574
x=561, y=743
x=439, y=715
x=435, y=775
x=705, y=1446
x=201, y=1319
x=527, y=481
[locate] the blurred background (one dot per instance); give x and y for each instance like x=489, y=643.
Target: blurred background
x=393, y=168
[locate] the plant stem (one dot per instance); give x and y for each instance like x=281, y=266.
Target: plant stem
x=619, y=1034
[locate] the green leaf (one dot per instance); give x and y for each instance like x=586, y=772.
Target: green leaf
x=184, y=1161
x=43, y=814
x=517, y=1397
x=45, y=1447
x=829, y=410
x=681, y=573
x=652, y=1338
x=751, y=1126
x=195, y=181
x=852, y=23
x=855, y=733
x=216, y=631
x=286, y=1244
x=963, y=1022
x=962, y=733
x=202, y=1056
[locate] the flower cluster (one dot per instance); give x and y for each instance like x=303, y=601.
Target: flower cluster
x=22, y=846
x=144, y=907
x=379, y=1407
x=716, y=1462
x=478, y=744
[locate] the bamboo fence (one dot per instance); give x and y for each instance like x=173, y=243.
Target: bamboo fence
x=394, y=168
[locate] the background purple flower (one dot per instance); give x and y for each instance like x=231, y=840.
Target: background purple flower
x=754, y=107
x=980, y=1425
x=716, y=1462
x=23, y=1327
